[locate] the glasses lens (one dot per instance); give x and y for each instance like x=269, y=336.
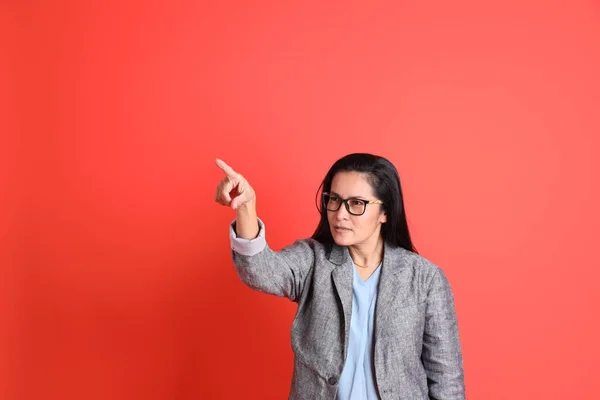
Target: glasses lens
x=357, y=207
x=331, y=203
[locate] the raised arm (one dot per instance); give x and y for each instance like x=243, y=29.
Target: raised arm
x=281, y=273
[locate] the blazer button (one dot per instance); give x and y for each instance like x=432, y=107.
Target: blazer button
x=332, y=380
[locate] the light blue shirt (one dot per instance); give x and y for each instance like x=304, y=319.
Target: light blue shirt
x=357, y=380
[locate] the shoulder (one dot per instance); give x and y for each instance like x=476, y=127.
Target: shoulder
x=407, y=259
x=305, y=247
x=319, y=252
x=423, y=269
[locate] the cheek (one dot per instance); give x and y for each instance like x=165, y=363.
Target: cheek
x=368, y=226
x=330, y=220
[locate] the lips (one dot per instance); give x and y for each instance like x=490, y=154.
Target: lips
x=341, y=228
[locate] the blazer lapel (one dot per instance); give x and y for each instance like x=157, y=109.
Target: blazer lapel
x=392, y=282
x=342, y=276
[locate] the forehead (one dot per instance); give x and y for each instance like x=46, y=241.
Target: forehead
x=351, y=184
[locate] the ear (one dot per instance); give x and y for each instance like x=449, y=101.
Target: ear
x=383, y=218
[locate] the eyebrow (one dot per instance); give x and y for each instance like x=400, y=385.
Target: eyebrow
x=351, y=197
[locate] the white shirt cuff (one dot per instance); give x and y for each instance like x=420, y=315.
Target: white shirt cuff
x=248, y=247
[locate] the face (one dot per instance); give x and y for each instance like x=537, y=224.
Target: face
x=348, y=229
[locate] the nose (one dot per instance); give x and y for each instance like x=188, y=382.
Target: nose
x=342, y=213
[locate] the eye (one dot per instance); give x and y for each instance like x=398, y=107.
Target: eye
x=334, y=199
x=357, y=203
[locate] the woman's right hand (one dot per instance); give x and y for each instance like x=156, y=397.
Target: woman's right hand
x=234, y=190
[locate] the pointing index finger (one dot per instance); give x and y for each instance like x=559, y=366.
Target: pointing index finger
x=226, y=168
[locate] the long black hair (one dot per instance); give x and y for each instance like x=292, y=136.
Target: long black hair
x=384, y=178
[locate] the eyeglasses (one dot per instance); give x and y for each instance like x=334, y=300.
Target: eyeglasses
x=354, y=206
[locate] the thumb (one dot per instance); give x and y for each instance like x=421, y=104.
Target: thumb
x=239, y=200
x=243, y=194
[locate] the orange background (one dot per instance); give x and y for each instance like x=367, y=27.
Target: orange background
x=117, y=281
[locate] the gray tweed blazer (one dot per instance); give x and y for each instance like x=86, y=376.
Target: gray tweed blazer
x=417, y=348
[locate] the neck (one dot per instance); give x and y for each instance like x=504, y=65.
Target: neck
x=367, y=254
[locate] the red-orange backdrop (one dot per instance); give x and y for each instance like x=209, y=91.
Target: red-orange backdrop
x=116, y=279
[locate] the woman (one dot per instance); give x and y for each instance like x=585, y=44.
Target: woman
x=375, y=320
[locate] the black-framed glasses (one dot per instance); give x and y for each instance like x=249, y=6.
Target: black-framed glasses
x=333, y=202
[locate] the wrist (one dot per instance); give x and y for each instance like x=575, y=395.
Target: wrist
x=248, y=206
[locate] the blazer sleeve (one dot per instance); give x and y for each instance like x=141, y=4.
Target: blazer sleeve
x=281, y=273
x=442, y=354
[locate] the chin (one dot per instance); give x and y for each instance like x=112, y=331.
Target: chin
x=342, y=241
